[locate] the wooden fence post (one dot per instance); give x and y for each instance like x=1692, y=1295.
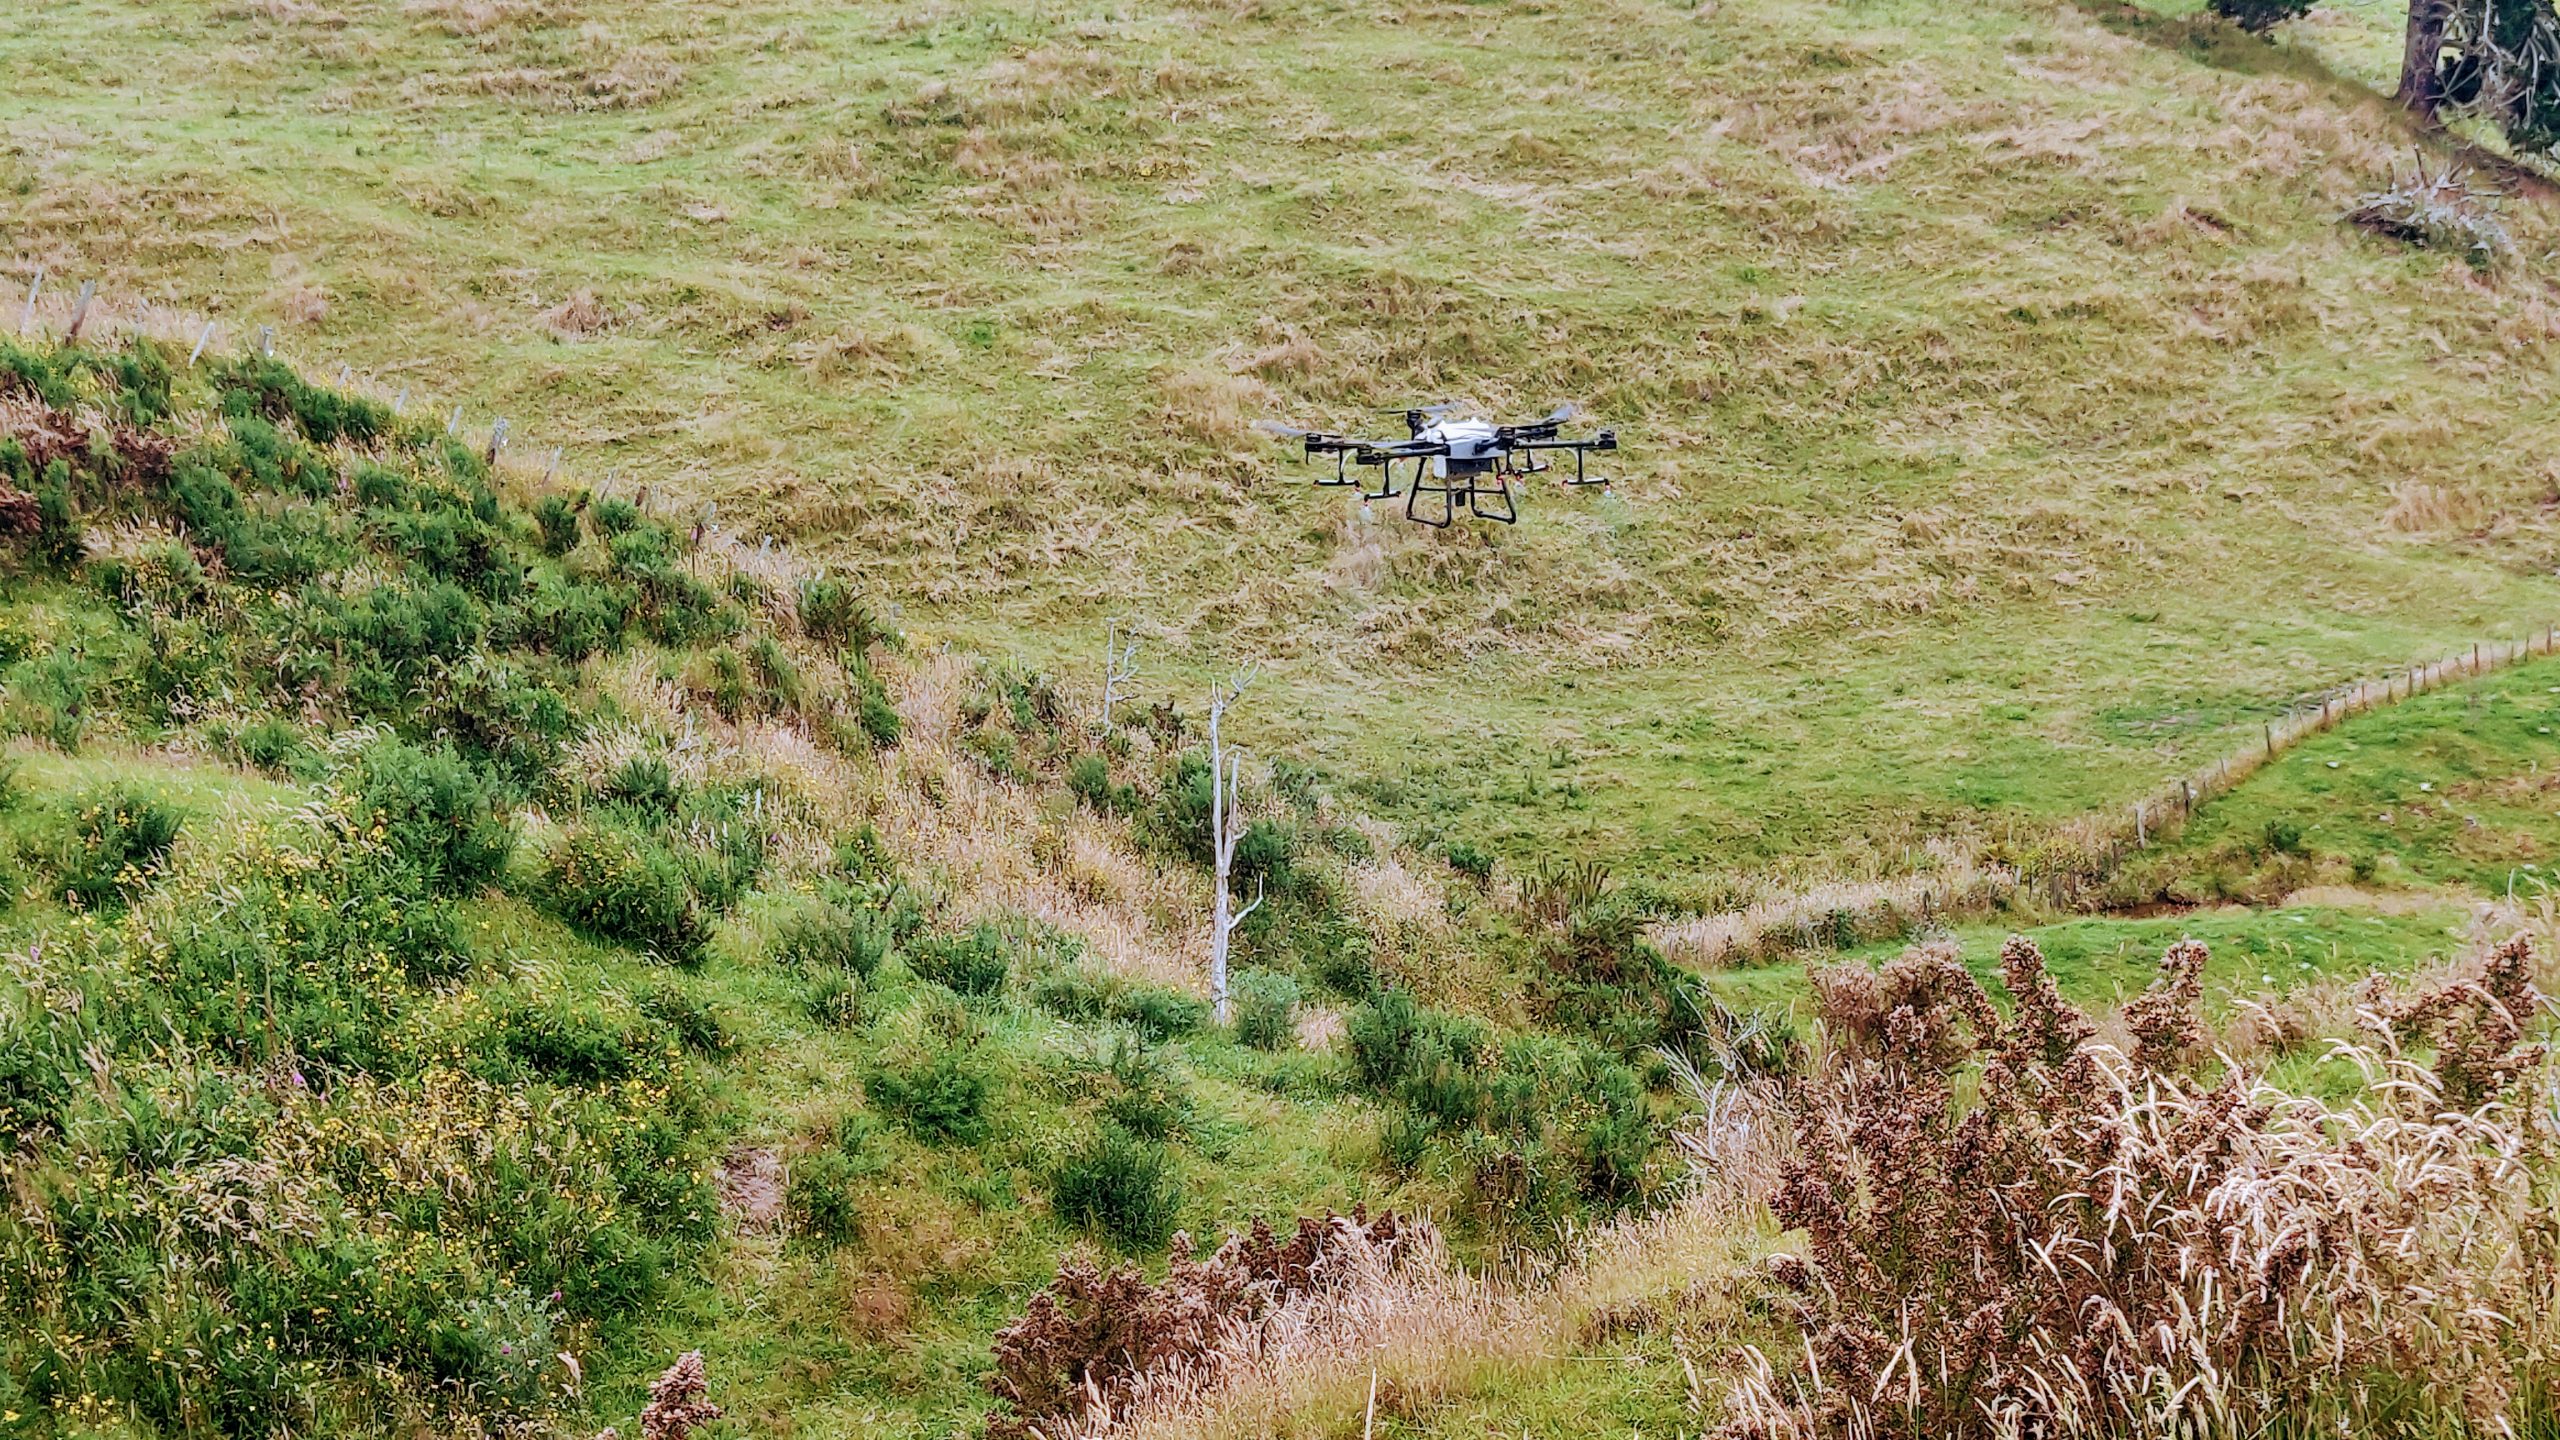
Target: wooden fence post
x=2141, y=832
x=204, y=337
x=267, y=341
x=80, y=310
x=27, y=312
x=2186, y=797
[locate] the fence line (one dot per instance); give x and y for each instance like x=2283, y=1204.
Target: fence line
x=2079, y=857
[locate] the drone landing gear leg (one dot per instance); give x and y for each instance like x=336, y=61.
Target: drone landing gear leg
x=1501, y=490
x=1448, y=499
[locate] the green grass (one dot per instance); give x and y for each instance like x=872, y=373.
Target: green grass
x=2010, y=423
x=2099, y=961
x=2459, y=788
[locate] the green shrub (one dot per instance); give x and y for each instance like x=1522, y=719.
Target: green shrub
x=557, y=521
x=2260, y=16
x=139, y=377
x=433, y=812
x=697, y=1024
x=118, y=845
x=974, y=962
x=40, y=377
x=626, y=887
x=2284, y=837
x=824, y=938
x=1266, y=1009
x=258, y=385
x=1120, y=1184
x=60, y=540
x=1383, y=1033
x=1180, y=821
x=881, y=722
x=1145, y=1096
x=942, y=1097
x=1619, y=1139
x=822, y=1194
x=1074, y=992
x=831, y=612
x=380, y=487
x=1089, y=780
x=1471, y=861
x=1160, y=1014
x=49, y=696
x=612, y=516
x=573, y=1041
x=644, y=784
x=277, y=747
x=1263, y=852
x=834, y=999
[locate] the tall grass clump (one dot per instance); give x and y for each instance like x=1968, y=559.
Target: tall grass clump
x=1119, y=1184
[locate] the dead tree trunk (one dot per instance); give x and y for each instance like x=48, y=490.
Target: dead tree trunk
x=1119, y=667
x=2422, y=57
x=1226, y=822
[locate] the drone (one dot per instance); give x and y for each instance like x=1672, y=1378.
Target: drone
x=1458, y=464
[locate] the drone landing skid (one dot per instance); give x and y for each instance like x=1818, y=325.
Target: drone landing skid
x=1466, y=495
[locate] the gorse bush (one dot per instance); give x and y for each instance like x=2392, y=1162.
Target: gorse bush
x=622, y=885
x=2259, y=16
x=1121, y=1185
x=118, y=844
x=1144, y=1094
x=823, y=937
x=942, y=1097
x=822, y=1195
x=973, y=962
x=696, y=1023
x=1541, y=1127
x=1087, y=993
x=937, y=1084
x=1266, y=1009
x=834, y=999
x=431, y=812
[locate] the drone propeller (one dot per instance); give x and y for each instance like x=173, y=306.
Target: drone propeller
x=1565, y=410
x=1285, y=432
x=1443, y=408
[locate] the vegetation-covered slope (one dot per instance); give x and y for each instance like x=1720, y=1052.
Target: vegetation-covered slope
x=1950, y=345
x=470, y=941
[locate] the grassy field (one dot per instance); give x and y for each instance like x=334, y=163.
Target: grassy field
x=2010, y=421
x=2459, y=789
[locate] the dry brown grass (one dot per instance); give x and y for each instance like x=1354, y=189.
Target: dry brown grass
x=1396, y=1339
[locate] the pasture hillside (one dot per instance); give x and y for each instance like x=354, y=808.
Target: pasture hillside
x=2010, y=416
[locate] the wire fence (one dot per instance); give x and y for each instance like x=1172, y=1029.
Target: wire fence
x=2068, y=866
